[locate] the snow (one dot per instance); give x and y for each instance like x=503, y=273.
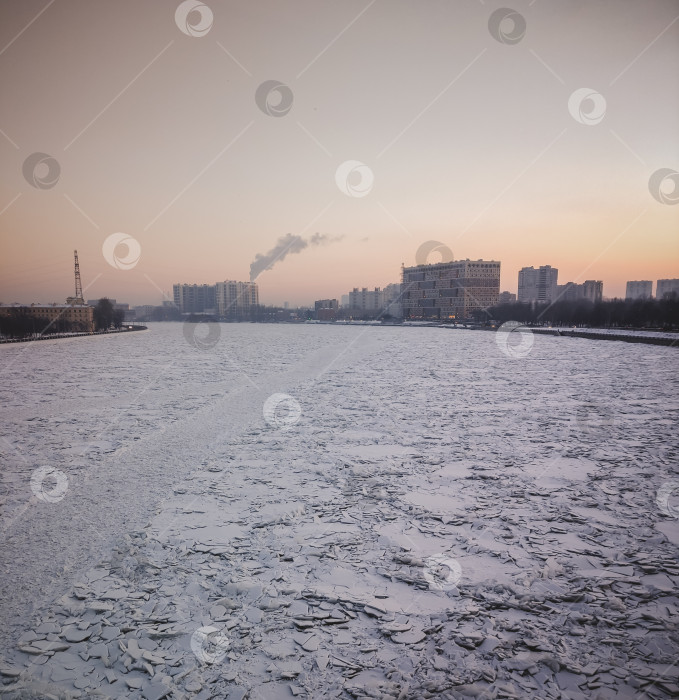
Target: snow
x=438, y=519
x=622, y=332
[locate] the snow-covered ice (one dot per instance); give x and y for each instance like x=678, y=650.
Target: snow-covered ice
x=414, y=514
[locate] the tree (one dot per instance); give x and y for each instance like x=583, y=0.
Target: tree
x=118, y=318
x=103, y=314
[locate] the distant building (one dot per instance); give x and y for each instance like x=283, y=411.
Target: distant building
x=570, y=291
x=143, y=311
x=366, y=299
x=326, y=304
x=538, y=284
x=639, y=289
x=392, y=300
x=374, y=301
x=506, y=298
x=450, y=290
x=195, y=298
x=326, y=309
x=114, y=303
x=664, y=288
x=591, y=290
x=233, y=299
x=79, y=317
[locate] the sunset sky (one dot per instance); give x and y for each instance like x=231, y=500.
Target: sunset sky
x=148, y=113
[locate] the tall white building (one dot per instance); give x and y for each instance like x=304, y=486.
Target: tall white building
x=538, y=284
x=639, y=289
x=235, y=298
x=664, y=287
x=392, y=299
x=366, y=299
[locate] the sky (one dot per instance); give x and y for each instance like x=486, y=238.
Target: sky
x=177, y=142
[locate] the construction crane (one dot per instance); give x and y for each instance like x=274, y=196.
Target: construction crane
x=78, y=298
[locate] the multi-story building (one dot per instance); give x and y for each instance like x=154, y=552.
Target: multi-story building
x=639, y=289
x=664, y=288
x=326, y=309
x=570, y=291
x=538, y=284
x=143, y=310
x=366, y=299
x=591, y=290
x=236, y=298
x=392, y=300
x=195, y=298
x=326, y=304
x=506, y=298
x=450, y=290
x=78, y=317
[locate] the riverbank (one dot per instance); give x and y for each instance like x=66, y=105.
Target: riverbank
x=628, y=336
x=59, y=336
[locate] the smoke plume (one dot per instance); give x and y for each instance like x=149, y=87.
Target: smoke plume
x=286, y=245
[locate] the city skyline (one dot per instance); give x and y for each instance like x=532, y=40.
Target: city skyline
x=171, y=294
x=350, y=133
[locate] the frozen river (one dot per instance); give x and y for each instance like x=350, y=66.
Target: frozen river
x=328, y=511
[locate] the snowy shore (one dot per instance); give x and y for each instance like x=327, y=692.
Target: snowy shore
x=439, y=519
x=58, y=336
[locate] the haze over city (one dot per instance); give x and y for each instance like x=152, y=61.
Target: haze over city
x=162, y=132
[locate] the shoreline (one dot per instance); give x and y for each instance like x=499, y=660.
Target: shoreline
x=604, y=334
x=63, y=336
x=667, y=339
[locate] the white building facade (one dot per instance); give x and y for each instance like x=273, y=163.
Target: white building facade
x=665, y=287
x=236, y=298
x=538, y=284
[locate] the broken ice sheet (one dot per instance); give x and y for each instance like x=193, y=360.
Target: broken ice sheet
x=331, y=581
